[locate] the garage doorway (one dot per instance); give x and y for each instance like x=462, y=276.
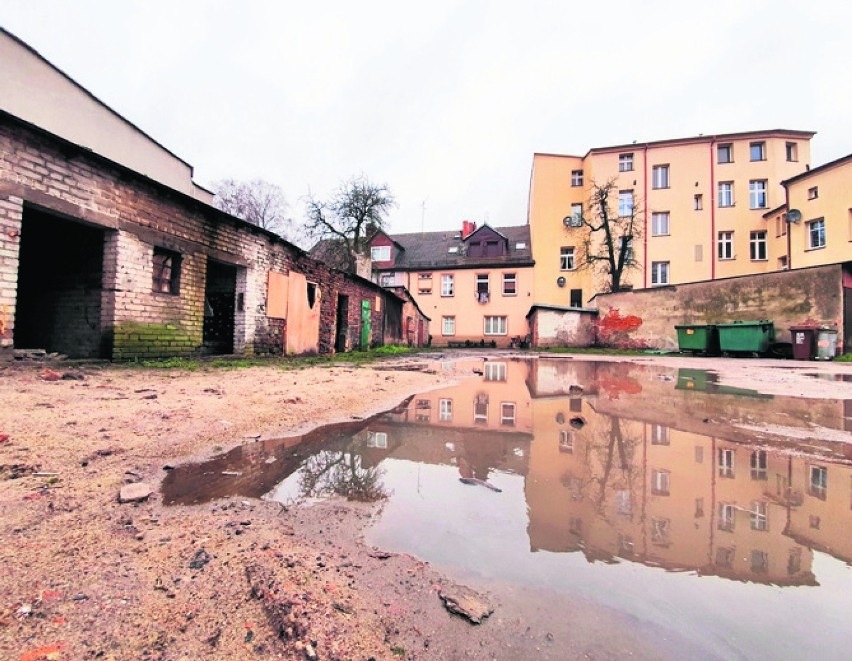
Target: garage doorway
x=60, y=285
x=220, y=306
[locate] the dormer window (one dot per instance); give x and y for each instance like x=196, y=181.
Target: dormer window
x=453, y=250
x=521, y=245
x=380, y=253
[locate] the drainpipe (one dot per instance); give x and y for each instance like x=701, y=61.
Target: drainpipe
x=789, y=228
x=712, y=211
x=645, y=218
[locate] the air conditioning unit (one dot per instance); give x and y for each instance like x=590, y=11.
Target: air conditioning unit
x=572, y=221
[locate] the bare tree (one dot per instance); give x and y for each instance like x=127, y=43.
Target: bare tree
x=343, y=223
x=614, y=227
x=257, y=201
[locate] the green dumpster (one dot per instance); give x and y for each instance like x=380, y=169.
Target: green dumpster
x=698, y=338
x=751, y=337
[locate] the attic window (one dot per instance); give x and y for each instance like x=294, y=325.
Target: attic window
x=380, y=253
x=452, y=250
x=520, y=245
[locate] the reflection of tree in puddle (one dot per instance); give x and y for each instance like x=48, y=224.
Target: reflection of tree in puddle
x=342, y=473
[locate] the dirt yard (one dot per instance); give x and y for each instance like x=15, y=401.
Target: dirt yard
x=85, y=576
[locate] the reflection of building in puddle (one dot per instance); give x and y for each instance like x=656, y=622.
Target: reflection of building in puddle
x=649, y=492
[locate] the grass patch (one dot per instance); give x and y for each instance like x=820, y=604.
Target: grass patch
x=845, y=358
x=187, y=364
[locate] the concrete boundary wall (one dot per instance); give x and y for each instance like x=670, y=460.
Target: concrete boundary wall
x=646, y=318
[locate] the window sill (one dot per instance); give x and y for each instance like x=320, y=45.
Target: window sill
x=762, y=259
x=660, y=187
x=567, y=270
x=814, y=248
x=758, y=208
x=506, y=294
x=447, y=295
x=757, y=160
x=727, y=206
x=660, y=235
x=727, y=259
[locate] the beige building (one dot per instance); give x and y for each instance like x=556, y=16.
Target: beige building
x=699, y=201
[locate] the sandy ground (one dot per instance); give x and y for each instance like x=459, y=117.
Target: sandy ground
x=84, y=576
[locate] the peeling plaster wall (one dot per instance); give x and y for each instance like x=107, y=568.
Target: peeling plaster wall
x=562, y=328
x=647, y=317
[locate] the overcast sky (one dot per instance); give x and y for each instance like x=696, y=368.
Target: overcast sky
x=445, y=101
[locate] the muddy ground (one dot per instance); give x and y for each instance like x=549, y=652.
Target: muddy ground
x=85, y=576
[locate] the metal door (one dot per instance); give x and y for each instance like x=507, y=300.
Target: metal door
x=366, y=325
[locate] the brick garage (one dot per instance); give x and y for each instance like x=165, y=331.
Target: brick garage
x=647, y=317
x=98, y=260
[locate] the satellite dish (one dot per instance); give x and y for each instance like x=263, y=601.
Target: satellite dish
x=794, y=216
x=560, y=281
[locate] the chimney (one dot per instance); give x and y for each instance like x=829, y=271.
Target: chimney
x=467, y=228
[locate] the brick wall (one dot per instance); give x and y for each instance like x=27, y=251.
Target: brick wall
x=562, y=328
x=647, y=317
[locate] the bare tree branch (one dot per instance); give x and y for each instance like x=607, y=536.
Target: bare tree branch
x=258, y=202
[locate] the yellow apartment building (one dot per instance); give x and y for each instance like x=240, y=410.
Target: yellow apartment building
x=700, y=201
x=813, y=224
x=475, y=285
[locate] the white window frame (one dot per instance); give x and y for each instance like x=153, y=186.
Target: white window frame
x=448, y=286
x=727, y=517
x=791, y=149
x=508, y=420
x=625, y=203
x=513, y=279
x=757, y=246
x=759, y=469
x=698, y=202
x=759, y=515
x=727, y=459
x=725, y=245
x=760, y=146
x=725, y=194
x=659, y=273
x=566, y=441
x=660, y=176
x=445, y=410
x=380, y=250
x=377, y=439
x=448, y=326
x=494, y=371
x=577, y=212
x=818, y=481
x=726, y=149
x=625, y=162
x=495, y=325
x=576, y=178
x=661, y=482
x=816, y=234
x=758, y=194
x=567, y=258
x=660, y=221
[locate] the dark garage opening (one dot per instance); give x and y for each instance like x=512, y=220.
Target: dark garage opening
x=220, y=294
x=60, y=281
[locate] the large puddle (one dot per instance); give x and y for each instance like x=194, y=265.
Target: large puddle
x=719, y=513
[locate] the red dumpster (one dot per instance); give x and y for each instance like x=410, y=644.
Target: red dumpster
x=804, y=342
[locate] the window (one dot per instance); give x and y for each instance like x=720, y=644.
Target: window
x=757, y=245
x=660, y=223
x=699, y=508
x=424, y=283
x=576, y=300
x=495, y=371
x=577, y=213
x=661, y=531
x=625, y=203
x=387, y=279
x=759, y=562
x=782, y=263
x=447, y=285
x=725, y=153
x=660, y=176
x=725, y=557
x=576, y=177
x=625, y=162
x=566, y=441
x=726, y=245
x=758, y=465
x=445, y=410
x=659, y=435
x=816, y=234
x=566, y=258
x=757, y=194
x=660, y=481
x=794, y=561
x=510, y=284
x=482, y=294
x=377, y=439
x=792, y=150
x=759, y=519
x=726, y=463
x=480, y=408
x=380, y=253
x=453, y=250
x=818, y=485
x=624, y=502
x=726, y=193
x=166, y=271
x=627, y=248
x=726, y=517
x=698, y=202
x=813, y=193
x=521, y=245
x=448, y=326
x=757, y=151
x=507, y=414
x=495, y=325
x=659, y=273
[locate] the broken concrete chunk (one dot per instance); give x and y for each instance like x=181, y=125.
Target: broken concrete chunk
x=461, y=600
x=134, y=493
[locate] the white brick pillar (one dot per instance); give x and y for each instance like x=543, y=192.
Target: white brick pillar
x=11, y=217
